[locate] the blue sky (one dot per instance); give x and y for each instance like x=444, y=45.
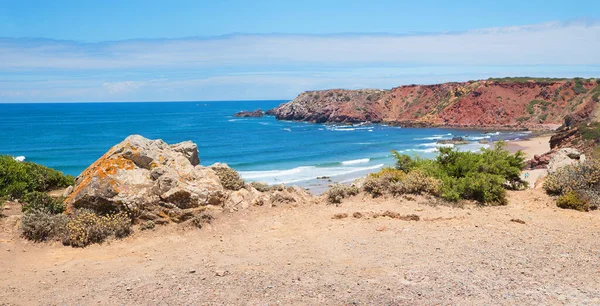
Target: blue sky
x=67, y=51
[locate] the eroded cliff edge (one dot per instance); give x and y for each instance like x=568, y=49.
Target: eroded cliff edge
x=510, y=103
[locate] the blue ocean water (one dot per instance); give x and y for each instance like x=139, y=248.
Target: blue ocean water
x=70, y=136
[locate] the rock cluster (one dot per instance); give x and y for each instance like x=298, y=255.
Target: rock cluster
x=256, y=113
x=152, y=180
x=555, y=159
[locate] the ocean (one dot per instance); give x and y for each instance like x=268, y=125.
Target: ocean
x=70, y=136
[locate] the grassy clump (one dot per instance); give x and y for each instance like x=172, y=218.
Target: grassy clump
x=230, y=179
x=86, y=227
x=573, y=200
x=260, y=186
x=590, y=131
x=41, y=225
x=578, y=181
x=338, y=192
x=37, y=200
x=454, y=175
x=19, y=178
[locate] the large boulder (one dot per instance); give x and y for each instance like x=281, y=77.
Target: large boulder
x=152, y=180
x=149, y=179
x=564, y=157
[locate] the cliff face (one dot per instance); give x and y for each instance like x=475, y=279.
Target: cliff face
x=499, y=103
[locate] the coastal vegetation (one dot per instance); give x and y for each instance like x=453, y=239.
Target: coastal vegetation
x=453, y=175
x=577, y=185
x=17, y=179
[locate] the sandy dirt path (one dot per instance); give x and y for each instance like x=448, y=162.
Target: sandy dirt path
x=301, y=255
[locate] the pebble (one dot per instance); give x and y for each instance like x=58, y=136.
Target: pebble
x=192, y=271
x=221, y=272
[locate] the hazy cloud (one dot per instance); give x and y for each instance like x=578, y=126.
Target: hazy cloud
x=278, y=66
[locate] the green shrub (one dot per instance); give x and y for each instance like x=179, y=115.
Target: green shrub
x=19, y=178
x=86, y=227
x=389, y=174
x=41, y=225
x=40, y=200
x=590, y=131
x=338, y=192
x=573, y=200
x=230, y=179
x=403, y=161
x=260, y=186
x=480, y=176
x=482, y=187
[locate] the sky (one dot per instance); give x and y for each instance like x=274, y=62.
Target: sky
x=82, y=51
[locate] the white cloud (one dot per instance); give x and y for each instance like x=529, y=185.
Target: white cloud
x=279, y=66
x=122, y=87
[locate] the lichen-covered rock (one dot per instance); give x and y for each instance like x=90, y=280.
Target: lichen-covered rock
x=149, y=179
x=152, y=180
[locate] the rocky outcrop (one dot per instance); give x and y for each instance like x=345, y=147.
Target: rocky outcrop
x=454, y=141
x=256, y=113
x=152, y=180
x=499, y=104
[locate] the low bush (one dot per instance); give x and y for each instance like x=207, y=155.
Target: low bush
x=41, y=225
x=390, y=174
x=148, y=225
x=577, y=185
x=417, y=182
x=37, y=200
x=260, y=186
x=18, y=178
x=87, y=227
x=374, y=186
x=338, y=192
x=573, y=200
x=230, y=179
x=580, y=176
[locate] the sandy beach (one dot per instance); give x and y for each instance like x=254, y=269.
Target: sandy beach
x=532, y=146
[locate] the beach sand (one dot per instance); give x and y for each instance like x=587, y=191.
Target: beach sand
x=531, y=147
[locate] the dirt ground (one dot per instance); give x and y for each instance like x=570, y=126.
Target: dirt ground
x=301, y=254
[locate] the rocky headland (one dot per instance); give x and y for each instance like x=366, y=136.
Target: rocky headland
x=509, y=103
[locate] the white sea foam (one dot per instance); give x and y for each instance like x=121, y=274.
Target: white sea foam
x=20, y=158
x=264, y=123
x=300, y=174
x=438, y=145
x=356, y=161
x=287, y=129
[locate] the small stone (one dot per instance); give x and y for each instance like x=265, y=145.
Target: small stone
x=381, y=228
x=221, y=272
x=192, y=271
x=128, y=288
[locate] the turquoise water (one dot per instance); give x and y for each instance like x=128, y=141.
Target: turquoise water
x=69, y=137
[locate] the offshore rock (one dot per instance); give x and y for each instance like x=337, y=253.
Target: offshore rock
x=256, y=113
